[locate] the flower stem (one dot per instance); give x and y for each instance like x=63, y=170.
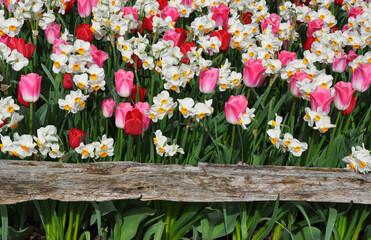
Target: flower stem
x=107, y=127
x=232, y=142
x=336, y=123
x=310, y=147
x=30, y=119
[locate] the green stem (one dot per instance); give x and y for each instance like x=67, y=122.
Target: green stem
x=30, y=119
x=310, y=147
x=106, y=127
x=129, y=150
x=97, y=123
x=152, y=88
x=336, y=123
x=232, y=142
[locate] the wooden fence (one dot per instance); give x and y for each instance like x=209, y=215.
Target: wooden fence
x=30, y=180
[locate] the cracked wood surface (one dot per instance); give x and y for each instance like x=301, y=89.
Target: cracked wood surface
x=31, y=180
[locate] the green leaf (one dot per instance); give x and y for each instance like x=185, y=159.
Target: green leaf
x=306, y=233
x=132, y=220
x=330, y=223
x=56, y=87
x=156, y=230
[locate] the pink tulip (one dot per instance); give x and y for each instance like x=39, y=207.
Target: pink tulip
x=314, y=26
x=98, y=56
x=297, y=77
x=354, y=12
x=361, y=78
x=321, y=98
x=142, y=107
x=286, y=57
x=220, y=14
x=187, y=2
x=253, y=73
x=170, y=11
x=124, y=82
x=108, y=107
x=53, y=32
x=30, y=86
x=343, y=95
x=120, y=116
x=56, y=44
x=234, y=108
x=208, y=80
x=84, y=8
x=351, y=56
x=172, y=36
x=274, y=20
x=130, y=10
x=340, y=63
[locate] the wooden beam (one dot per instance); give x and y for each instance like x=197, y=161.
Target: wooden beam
x=30, y=180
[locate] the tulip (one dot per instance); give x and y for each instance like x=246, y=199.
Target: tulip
x=19, y=43
x=142, y=94
x=208, y=80
x=351, y=56
x=297, y=77
x=130, y=10
x=185, y=48
x=124, y=82
x=84, y=32
x=220, y=14
x=120, y=115
x=314, y=26
x=253, y=73
x=351, y=106
x=143, y=107
x=67, y=81
x=163, y=4
x=135, y=59
x=361, y=78
x=134, y=122
x=84, y=8
x=56, y=44
x=224, y=37
x=108, y=107
x=234, y=108
x=172, y=36
x=354, y=12
x=53, y=32
x=321, y=98
x=274, y=20
x=75, y=137
x=308, y=43
x=98, y=56
x=286, y=57
x=340, y=63
x=170, y=11
x=21, y=100
x=246, y=18
x=147, y=24
x=30, y=86
x=343, y=95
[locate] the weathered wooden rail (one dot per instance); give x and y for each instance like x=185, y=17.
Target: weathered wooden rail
x=29, y=180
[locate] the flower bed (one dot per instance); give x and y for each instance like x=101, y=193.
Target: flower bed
x=186, y=82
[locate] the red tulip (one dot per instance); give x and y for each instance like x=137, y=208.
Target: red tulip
x=25, y=49
x=75, y=137
x=142, y=94
x=246, y=18
x=163, y=4
x=308, y=43
x=136, y=59
x=351, y=106
x=67, y=81
x=134, y=122
x=147, y=24
x=184, y=48
x=224, y=36
x=83, y=32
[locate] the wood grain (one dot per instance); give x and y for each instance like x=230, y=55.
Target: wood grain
x=31, y=180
